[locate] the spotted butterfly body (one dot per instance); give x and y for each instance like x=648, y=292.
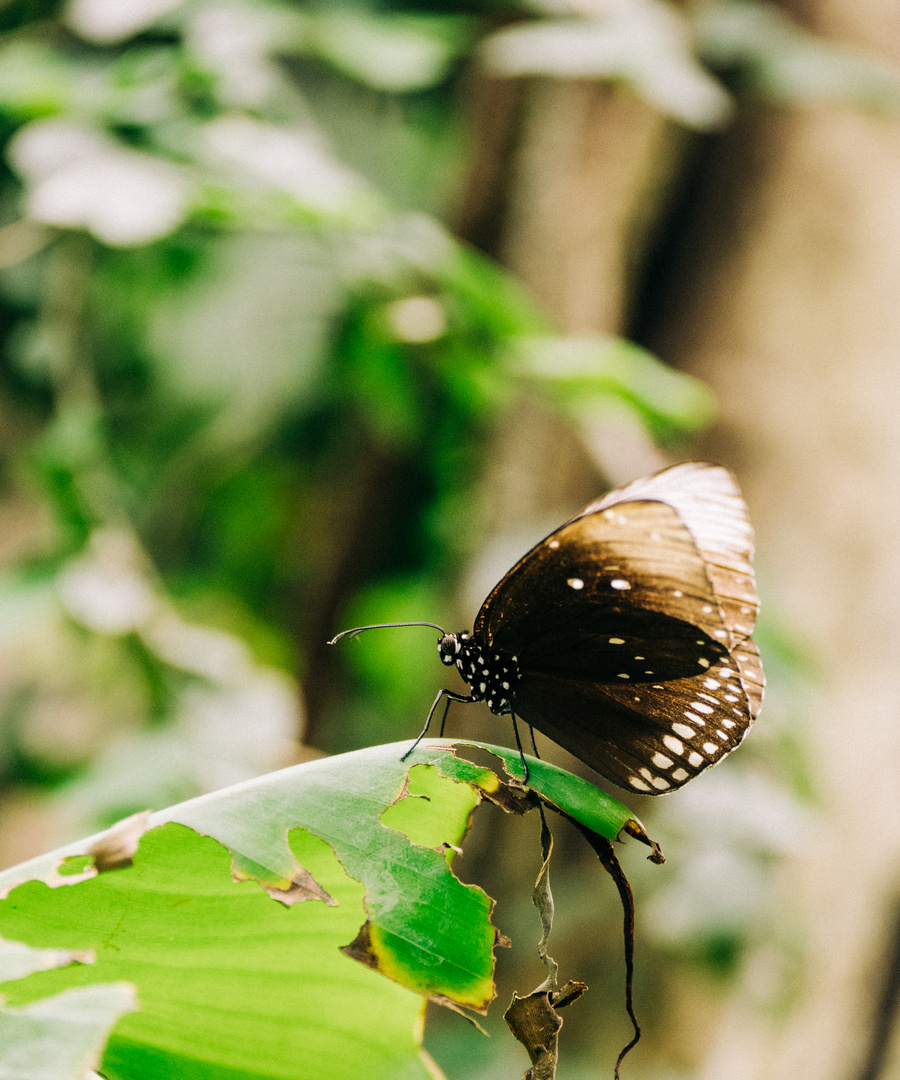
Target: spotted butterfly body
x=625, y=634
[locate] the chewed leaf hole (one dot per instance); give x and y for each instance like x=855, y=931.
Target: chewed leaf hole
x=432, y=811
x=75, y=864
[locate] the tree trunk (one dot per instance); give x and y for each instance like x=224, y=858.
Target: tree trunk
x=792, y=314
x=785, y=298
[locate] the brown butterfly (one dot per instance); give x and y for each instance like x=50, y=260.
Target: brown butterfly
x=625, y=634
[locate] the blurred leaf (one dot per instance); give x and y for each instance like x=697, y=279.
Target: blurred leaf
x=488, y=297
x=583, y=372
x=390, y=52
x=35, y=80
x=246, y=336
x=79, y=178
x=293, y=161
x=644, y=43
x=110, y=21
x=27, y=602
x=380, y=379
x=775, y=56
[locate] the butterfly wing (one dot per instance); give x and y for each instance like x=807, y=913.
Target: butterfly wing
x=650, y=738
x=625, y=623
x=708, y=501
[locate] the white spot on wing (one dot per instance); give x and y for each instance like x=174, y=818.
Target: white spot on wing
x=684, y=731
x=575, y=582
x=620, y=583
x=675, y=745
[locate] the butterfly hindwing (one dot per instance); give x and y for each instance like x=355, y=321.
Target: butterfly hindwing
x=649, y=739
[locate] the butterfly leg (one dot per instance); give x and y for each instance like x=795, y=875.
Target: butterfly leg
x=519, y=745
x=450, y=696
x=444, y=717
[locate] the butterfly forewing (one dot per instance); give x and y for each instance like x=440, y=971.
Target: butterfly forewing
x=618, y=578
x=708, y=501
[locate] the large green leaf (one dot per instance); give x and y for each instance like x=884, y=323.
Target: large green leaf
x=232, y=984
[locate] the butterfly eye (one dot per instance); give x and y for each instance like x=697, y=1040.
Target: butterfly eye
x=448, y=648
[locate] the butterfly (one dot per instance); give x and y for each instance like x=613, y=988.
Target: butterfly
x=625, y=635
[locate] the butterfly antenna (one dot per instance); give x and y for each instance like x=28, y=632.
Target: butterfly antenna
x=382, y=626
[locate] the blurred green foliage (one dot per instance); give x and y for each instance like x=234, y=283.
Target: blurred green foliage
x=248, y=378
x=251, y=383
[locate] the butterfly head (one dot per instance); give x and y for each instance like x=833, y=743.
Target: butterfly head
x=450, y=647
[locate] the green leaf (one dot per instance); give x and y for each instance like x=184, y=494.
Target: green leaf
x=62, y=1036
x=18, y=960
x=232, y=983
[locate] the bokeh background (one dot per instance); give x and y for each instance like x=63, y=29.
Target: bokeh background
x=319, y=314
